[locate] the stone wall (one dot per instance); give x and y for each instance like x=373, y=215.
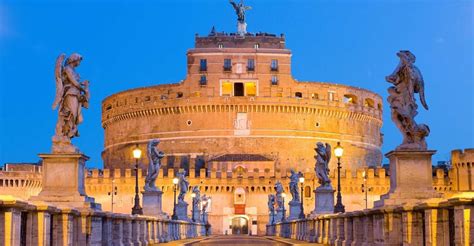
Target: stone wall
x=23, y=223
x=442, y=222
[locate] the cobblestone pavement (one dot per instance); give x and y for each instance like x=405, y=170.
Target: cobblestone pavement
x=238, y=240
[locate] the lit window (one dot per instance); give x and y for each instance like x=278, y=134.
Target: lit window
x=251, y=65
x=226, y=89
x=203, y=65
x=227, y=65
x=314, y=96
x=203, y=80
x=369, y=103
x=256, y=46
x=274, y=80
x=221, y=46
x=274, y=65
x=250, y=89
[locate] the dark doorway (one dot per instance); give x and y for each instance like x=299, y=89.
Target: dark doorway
x=239, y=89
x=240, y=226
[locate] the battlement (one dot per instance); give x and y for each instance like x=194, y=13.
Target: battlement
x=460, y=156
x=232, y=40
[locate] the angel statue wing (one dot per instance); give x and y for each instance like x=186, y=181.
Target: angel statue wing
x=59, y=81
x=419, y=86
x=328, y=153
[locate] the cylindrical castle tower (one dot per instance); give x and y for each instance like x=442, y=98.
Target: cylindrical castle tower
x=239, y=97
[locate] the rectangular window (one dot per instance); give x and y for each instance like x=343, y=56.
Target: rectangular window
x=251, y=65
x=274, y=80
x=203, y=65
x=227, y=65
x=274, y=65
x=331, y=95
x=203, y=80
x=226, y=89
x=250, y=89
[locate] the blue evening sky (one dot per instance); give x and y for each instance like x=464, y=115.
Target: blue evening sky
x=128, y=44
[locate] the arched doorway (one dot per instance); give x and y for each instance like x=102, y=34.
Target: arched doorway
x=240, y=226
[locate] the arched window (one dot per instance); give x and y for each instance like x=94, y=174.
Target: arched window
x=350, y=99
x=369, y=103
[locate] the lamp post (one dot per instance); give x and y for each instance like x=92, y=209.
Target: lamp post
x=283, y=217
x=175, y=183
x=113, y=193
x=365, y=188
x=301, y=179
x=193, y=195
x=137, y=153
x=338, y=151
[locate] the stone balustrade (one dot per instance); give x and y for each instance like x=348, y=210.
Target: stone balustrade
x=441, y=222
x=25, y=223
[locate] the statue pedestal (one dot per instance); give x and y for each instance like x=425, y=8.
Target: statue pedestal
x=152, y=204
x=295, y=210
x=278, y=215
x=410, y=178
x=182, y=211
x=324, y=201
x=63, y=181
x=197, y=215
x=241, y=28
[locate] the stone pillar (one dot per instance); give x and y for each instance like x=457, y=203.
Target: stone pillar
x=332, y=230
x=410, y=178
x=295, y=210
x=324, y=201
x=340, y=231
x=117, y=231
x=358, y=229
x=63, y=227
x=63, y=181
x=368, y=223
x=392, y=228
x=143, y=231
x=135, y=231
x=127, y=231
x=182, y=211
x=436, y=226
x=348, y=233
x=152, y=204
x=107, y=230
x=95, y=238
x=10, y=228
x=463, y=224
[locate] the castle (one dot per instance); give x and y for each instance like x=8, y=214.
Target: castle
x=236, y=124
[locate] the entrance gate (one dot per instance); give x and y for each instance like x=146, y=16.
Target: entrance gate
x=240, y=226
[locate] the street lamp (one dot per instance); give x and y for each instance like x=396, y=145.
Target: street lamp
x=137, y=153
x=193, y=195
x=338, y=151
x=175, y=183
x=301, y=179
x=283, y=217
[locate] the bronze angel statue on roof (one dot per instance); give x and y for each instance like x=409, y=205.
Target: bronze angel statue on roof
x=71, y=96
x=240, y=9
x=407, y=81
x=323, y=156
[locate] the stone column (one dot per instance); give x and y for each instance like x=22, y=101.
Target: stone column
x=63, y=227
x=463, y=224
x=357, y=228
x=107, y=230
x=436, y=226
x=392, y=228
x=143, y=231
x=368, y=223
x=127, y=230
x=412, y=225
x=10, y=228
x=117, y=231
x=340, y=230
x=348, y=233
x=135, y=231
x=95, y=238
